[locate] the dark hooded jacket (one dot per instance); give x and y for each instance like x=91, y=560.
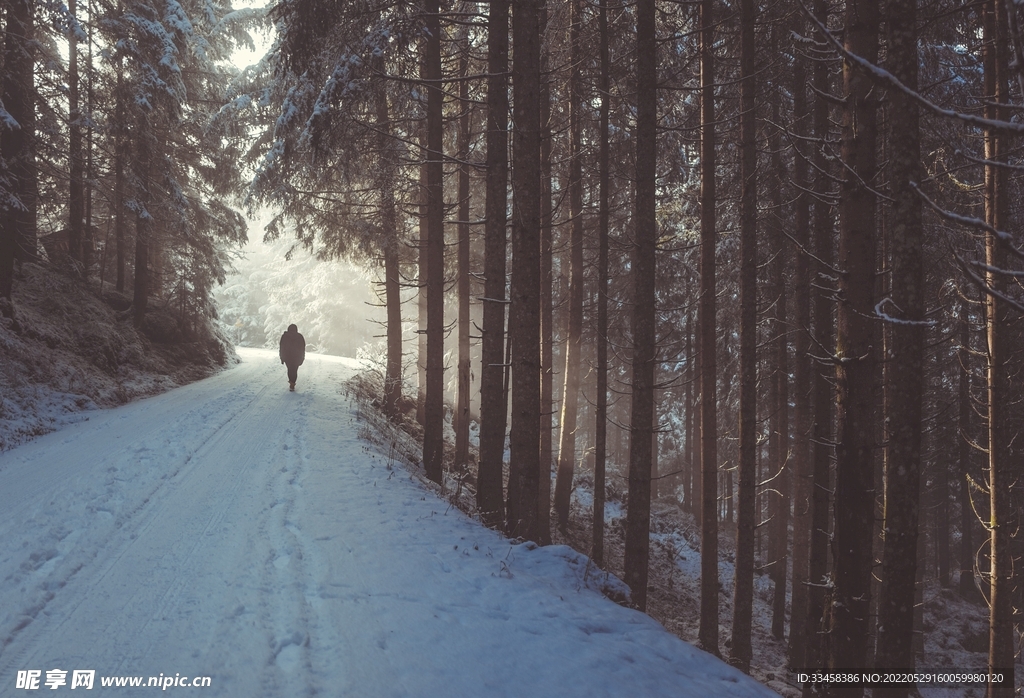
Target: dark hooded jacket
x=293, y=347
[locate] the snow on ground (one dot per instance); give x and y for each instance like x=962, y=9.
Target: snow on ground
x=955, y=629
x=70, y=348
x=234, y=530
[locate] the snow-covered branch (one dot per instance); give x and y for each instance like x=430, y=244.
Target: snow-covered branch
x=972, y=222
x=984, y=286
x=885, y=76
x=885, y=317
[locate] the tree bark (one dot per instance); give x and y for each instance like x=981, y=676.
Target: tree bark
x=88, y=241
x=856, y=362
x=524, y=313
x=1000, y=475
x=461, y=417
x=547, y=408
x=782, y=464
x=392, y=272
x=638, y=503
x=433, y=438
x=968, y=590
x=894, y=645
x=691, y=476
x=743, y=592
x=393, y=301
x=822, y=399
x=571, y=384
x=708, y=630
x=17, y=145
x=490, y=500
x=143, y=218
x=942, y=521
x=802, y=483
x=120, y=157
x=76, y=161
x=601, y=426
x=422, y=280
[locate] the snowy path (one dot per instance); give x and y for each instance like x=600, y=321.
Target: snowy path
x=234, y=530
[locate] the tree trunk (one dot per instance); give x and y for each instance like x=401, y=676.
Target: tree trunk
x=547, y=408
x=143, y=218
x=817, y=566
x=968, y=590
x=654, y=454
x=638, y=511
x=88, y=242
x=905, y=391
x=571, y=385
x=942, y=521
x=393, y=301
x=601, y=425
x=1000, y=475
x=17, y=145
x=524, y=313
x=690, y=479
x=708, y=631
x=76, y=161
x=433, y=437
x=489, y=497
x=392, y=272
x=120, y=157
x=729, y=498
x=801, y=466
x=421, y=296
x=741, y=651
x=856, y=363
x=461, y=417
x=782, y=464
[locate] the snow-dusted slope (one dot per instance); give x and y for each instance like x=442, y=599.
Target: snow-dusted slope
x=233, y=530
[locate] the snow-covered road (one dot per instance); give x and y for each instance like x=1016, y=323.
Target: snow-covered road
x=233, y=530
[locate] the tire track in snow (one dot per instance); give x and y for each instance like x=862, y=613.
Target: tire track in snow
x=137, y=523
x=302, y=644
x=209, y=452
x=145, y=589
x=30, y=470
x=283, y=602
x=345, y=609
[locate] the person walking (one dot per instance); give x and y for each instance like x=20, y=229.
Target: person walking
x=293, y=353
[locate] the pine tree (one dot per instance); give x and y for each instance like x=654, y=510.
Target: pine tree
x=460, y=421
x=744, y=586
x=996, y=68
x=524, y=311
x=856, y=363
x=571, y=374
x=708, y=632
x=492, y=371
x=802, y=483
x=906, y=359
x=17, y=143
x=433, y=441
x=601, y=412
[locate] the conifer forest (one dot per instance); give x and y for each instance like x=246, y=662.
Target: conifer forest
x=757, y=260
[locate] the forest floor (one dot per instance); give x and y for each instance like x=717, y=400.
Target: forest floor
x=955, y=630
x=280, y=544
x=67, y=348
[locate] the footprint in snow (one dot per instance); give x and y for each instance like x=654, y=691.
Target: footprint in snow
x=288, y=656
